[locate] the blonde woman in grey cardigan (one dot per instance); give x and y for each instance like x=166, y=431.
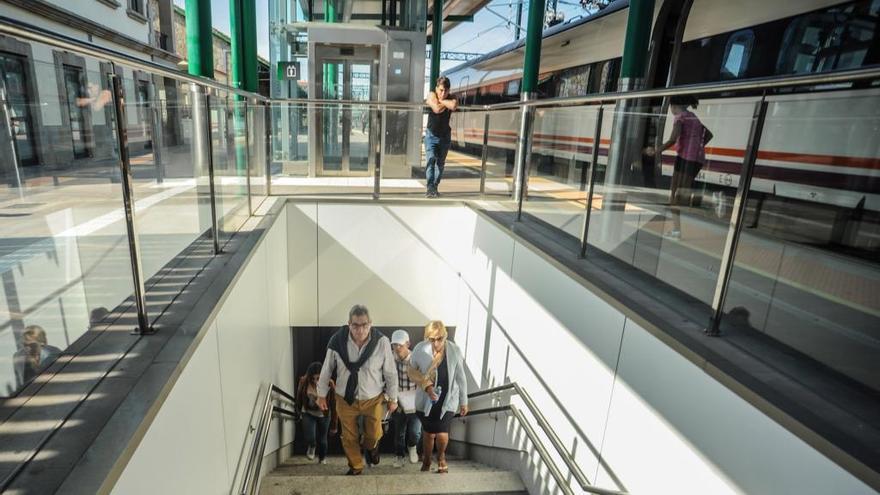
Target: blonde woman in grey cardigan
x=437, y=365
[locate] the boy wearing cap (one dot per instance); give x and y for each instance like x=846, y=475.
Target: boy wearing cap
x=407, y=427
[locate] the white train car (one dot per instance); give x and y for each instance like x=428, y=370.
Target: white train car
x=818, y=144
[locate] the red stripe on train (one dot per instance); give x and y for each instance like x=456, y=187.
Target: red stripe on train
x=782, y=156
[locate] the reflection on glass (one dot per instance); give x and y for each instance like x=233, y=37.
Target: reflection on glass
x=663, y=204
x=807, y=268
x=63, y=245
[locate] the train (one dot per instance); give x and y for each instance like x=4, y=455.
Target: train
x=819, y=150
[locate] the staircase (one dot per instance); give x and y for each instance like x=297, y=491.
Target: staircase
x=300, y=476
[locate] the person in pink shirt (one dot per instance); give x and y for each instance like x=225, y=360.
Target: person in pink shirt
x=689, y=136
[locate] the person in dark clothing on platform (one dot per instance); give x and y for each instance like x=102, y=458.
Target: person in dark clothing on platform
x=438, y=134
x=437, y=365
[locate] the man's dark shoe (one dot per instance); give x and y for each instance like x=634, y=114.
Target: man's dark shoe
x=373, y=457
x=354, y=472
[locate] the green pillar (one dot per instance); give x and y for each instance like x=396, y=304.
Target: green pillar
x=635, y=46
x=329, y=11
x=200, y=52
x=532, y=63
x=436, y=42
x=243, y=34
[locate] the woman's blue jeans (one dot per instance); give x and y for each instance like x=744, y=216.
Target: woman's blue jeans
x=315, y=432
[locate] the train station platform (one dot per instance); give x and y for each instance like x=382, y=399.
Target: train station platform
x=629, y=322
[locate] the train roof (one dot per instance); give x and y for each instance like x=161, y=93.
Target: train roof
x=615, y=6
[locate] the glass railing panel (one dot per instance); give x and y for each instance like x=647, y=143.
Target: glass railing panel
x=256, y=122
x=559, y=167
x=229, y=138
x=668, y=213
x=290, y=145
x=169, y=178
x=807, y=268
x=63, y=247
x=503, y=131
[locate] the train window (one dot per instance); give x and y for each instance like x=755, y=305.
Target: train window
x=604, y=76
x=836, y=38
x=512, y=88
x=737, y=54
x=574, y=81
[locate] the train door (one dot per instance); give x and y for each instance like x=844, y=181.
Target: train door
x=662, y=67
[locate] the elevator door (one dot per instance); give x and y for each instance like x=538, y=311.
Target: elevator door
x=345, y=130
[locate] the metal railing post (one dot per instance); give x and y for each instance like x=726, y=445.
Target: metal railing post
x=267, y=121
x=377, y=173
x=734, y=230
x=485, y=155
x=594, y=158
x=520, y=172
x=215, y=230
x=134, y=250
x=247, y=157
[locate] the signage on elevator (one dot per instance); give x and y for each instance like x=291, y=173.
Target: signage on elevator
x=288, y=71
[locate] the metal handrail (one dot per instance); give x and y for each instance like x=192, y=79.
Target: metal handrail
x=761, y=84
x=250, y=483
x=569, y=461
x=13, y=27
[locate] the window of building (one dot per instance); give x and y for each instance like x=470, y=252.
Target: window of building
x=12, y=70
x=73, y=91
x=138, y=6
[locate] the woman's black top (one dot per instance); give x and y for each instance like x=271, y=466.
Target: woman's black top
x=443, y=383
x=438, y=123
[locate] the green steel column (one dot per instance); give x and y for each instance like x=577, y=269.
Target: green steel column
x=243, y=37
x=200, y=52
x=635, y=46
x=243, y=34
x=329, y=11
x=436, y=41
x=532, y=63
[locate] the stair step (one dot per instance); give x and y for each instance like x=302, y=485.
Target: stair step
x=300, y=476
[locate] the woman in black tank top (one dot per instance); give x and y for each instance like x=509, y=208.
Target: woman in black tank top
x=438, y=134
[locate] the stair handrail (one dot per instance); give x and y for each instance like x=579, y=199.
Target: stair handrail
x=567, y=458
x=250, y=483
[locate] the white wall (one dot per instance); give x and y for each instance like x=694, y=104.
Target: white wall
x=201, y=431
x=663, y=425
x=341, y=255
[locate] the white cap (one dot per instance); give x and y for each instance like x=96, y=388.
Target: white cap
x=399, y=337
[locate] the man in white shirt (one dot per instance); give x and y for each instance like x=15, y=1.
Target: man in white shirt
x=365, y=373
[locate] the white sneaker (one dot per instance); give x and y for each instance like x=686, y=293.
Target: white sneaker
x=413, y=455
x=398, y=462
x=322, y=461
x=310, y=453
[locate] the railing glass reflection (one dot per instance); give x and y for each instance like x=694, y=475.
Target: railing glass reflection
x=63, y=248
